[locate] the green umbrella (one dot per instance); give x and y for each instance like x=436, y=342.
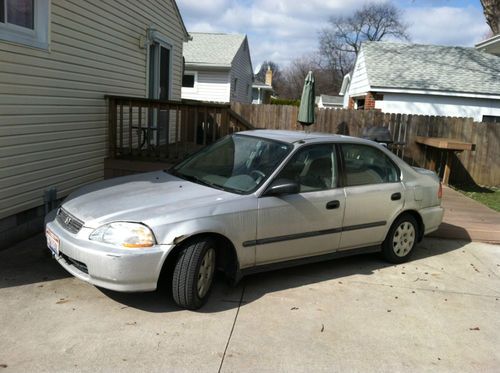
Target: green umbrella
x=306, y=109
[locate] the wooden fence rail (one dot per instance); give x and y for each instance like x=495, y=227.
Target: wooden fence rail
x=146, y=129
x=480, y=165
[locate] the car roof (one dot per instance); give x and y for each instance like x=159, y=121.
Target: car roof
x=301, y=136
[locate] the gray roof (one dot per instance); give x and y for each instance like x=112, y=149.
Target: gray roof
x=332, y=100
x=431, y=67
x=212, y=49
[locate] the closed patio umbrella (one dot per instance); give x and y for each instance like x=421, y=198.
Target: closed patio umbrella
x=306, y=109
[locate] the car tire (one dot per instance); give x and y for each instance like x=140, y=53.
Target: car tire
x=401, y=239
x=194, y=273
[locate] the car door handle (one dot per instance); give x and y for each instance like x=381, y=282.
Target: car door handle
x=333, y=205
x=396, y=196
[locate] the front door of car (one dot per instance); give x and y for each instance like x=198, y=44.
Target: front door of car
x=374, y=195
x=305, y=223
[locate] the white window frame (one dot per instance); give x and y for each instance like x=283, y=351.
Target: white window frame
x=193, y=89
x=154, y=36
x=38, y=37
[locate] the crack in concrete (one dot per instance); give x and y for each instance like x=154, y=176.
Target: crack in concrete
x=424, y=289
x=232, y=329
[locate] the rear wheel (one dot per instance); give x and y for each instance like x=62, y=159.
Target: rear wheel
x=193, y=274
x=401, y=239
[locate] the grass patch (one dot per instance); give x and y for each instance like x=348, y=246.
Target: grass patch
x=489, y=196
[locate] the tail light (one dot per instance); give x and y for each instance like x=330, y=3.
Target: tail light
x=440, y=190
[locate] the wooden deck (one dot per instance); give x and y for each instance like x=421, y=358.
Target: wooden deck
x=466, y=219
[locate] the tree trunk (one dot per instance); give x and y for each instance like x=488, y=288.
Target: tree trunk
x=491, y=9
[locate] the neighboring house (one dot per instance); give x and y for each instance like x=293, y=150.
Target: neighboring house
x=491, y=45
x=58, y=60
x=262, y=91
x=329, y=102
x=217, y=68
x=425, y=79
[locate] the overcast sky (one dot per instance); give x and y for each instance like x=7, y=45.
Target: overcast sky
x=281, y=30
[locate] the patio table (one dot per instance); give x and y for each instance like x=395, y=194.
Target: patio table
x=449, y=146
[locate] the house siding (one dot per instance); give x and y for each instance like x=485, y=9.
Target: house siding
x=209, y=86
x=53, y=116
x=359, y=83
x=438, y=105
x=242, y=70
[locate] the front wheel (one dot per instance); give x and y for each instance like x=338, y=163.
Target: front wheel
x=401, y=239
x=193, y=274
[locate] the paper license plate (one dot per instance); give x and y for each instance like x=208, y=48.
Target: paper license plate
x=52, y=241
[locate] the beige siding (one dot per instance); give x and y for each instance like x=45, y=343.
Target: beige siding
x=359, y=83
x=242, y=70
x=53, y=116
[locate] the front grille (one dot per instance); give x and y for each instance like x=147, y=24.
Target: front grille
x=68, y=221
x=79, y=265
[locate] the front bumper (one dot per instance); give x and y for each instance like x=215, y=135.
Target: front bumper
x=105, y=266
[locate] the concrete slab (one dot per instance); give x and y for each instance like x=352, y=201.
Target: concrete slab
x=51, y=322
x=440, y=312
x=360, y=315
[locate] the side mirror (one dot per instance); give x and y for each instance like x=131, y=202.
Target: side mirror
x=281, y=187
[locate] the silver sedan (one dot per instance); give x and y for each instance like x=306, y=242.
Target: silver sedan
x=252, y=201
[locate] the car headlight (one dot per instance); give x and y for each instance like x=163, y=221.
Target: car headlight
x=129, y=235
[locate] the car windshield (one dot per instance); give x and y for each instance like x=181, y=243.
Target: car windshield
x=236, y=163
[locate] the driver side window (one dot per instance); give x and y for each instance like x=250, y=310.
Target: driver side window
x=314, y=168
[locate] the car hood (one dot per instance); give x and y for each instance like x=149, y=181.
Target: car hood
x=140, y=197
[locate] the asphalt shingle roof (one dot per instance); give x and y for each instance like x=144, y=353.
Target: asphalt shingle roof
x=431, y=67
x=212, y=49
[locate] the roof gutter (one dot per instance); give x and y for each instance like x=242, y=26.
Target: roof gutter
x=435, y=92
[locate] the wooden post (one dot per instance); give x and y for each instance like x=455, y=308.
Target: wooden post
x=447, y=168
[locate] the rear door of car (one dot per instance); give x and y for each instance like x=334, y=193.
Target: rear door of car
x=307, y=223
x=374, y=194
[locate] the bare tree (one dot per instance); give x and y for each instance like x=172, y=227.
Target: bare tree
x=341, y=41
x=296, y=71
x=278, y=79
x=491, y=9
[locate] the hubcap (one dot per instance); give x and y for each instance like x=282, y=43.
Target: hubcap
x=403, y=239
x=206, y=272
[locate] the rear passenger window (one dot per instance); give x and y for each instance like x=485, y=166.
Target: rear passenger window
x=314, y=168
x=366, y=165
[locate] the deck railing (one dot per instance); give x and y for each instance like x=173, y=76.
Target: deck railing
x=146, y=129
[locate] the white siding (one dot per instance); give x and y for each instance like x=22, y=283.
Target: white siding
x=438, y=105
x=53, y=119
x=209, y=86
x=242, y=70
x=359, y=82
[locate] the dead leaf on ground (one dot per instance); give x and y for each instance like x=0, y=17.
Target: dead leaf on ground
x=3, y=365
x=322, y=328
x=475, y=328
x=62, y=301
x=294, y=308
x=131, y=323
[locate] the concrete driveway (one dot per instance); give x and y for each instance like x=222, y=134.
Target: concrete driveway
x=441, y=312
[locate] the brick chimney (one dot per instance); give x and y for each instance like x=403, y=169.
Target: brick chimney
x=269, y=76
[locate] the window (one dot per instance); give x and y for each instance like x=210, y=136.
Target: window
x=360, y=104
x=25, y=22
x=188, y=81
x=490, y=119
x=314, y=168
x=365, y=165
x=235, y=83
x=18, y=12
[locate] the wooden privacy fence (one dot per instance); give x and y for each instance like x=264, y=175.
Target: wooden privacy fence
x=480, y=165
x=146, y=129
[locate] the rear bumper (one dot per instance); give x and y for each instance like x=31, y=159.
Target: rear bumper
x=432, y=218
x=105, y=266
